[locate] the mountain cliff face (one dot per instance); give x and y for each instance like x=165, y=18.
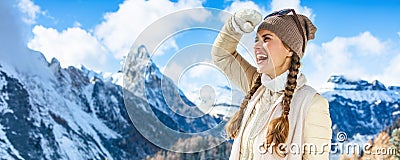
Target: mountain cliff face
x=67, y=117
x=73, y=113
x=360, y=108
x=175, y=119
x=62, y=117
x=143, y=78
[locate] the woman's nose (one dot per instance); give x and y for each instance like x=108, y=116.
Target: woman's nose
x=257, y=45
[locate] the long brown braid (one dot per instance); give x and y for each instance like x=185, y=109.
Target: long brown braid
x=278, y=129
x=232, y=127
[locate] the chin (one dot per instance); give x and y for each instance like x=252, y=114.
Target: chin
x=261, y=70
x=264, y=69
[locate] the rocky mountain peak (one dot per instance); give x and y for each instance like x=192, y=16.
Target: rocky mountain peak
x=340, y=82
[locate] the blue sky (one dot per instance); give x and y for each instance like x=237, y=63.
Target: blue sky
x=342, y=17
x=63, y=14
x=356, y=38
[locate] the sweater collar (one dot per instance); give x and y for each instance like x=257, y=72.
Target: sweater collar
x=279, y=83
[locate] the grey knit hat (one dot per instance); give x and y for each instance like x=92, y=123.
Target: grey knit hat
x=284, y=26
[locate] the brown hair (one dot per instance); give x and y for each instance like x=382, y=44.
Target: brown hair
x=232, y=127
x=278, y=129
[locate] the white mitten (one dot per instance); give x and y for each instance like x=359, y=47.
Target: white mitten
x=245, y=21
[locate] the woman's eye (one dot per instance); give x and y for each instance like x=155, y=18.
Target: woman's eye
x=266, y=39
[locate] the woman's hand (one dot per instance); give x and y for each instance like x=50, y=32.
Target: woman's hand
x=245, y=21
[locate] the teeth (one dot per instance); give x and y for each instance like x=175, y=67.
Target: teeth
x=262, y=57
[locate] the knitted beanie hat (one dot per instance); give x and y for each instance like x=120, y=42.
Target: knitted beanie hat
x=284, y=26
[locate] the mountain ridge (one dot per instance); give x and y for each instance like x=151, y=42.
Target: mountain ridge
x=71, y=113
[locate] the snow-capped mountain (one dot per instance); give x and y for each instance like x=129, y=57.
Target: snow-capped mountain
x=143, y=78
x=360, y=108
x=64, y=117
x=338, y=82
x=72, y=113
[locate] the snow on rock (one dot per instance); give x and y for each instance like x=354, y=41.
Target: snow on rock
x=359, y=90
x=359, y=108
x=50, y=112
x=71, y=113
x=369, y=96
x=3, y=97
x=7, y=150
x=142, y=77
x=115, y=78
x=343, y=83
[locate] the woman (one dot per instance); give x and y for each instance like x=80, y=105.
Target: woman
x=280, y=117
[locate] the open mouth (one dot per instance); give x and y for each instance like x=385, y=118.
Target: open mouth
x=261, y=58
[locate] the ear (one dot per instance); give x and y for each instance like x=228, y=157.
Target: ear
x=289, y=54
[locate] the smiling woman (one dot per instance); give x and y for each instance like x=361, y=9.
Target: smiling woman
x=279, y=110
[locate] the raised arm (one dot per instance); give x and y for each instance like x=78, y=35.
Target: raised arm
x=224, y=53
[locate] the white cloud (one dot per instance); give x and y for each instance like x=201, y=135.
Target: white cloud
x=110, y=40
x=73, y=46
x=349, y=56
x=121, y=28
x=15, y=57
x=240, y=5
x=30, y=9
x=398, y=33
x=165, y=46
x=203, y=77
x=77, y=25
x=173, y=71
x=275, y=5
x=201, y=70
x=366, y=44
x=391, y=74
x=295, y=4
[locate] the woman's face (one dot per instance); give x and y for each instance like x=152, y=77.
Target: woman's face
x=272, y=56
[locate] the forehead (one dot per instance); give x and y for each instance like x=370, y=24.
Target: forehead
x=265, y=32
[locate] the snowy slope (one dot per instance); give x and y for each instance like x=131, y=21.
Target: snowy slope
x=58, y=119
x=143, y=78
x=360, y=108
x=71, y=113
